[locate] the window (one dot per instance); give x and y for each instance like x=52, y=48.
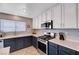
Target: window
x=20, y=26
x=7, y=25
x=12, y=26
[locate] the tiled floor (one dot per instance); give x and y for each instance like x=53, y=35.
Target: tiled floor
x=26, y=51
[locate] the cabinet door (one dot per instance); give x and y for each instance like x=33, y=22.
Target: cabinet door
x=57, y=16
x=69, y=15
x=62, y=53
x=34, y=42
x=35, y=21
x=67, y=51
x=48, y=14
x=11, y=43
x=78, y=15
x=26, y=41
x=43, y=17
x=52, y=50
x=39, y=22
x=19, y=43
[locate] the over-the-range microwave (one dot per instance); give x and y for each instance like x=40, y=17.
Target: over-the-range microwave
x=47, y=25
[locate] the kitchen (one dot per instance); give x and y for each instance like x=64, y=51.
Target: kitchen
x=39, y=28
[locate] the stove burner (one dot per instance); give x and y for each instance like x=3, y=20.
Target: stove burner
x=46, y=37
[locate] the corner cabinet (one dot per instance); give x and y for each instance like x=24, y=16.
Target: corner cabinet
x=69, y=17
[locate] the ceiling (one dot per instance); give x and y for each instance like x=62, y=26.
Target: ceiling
x=36, y=8
x=25, y=9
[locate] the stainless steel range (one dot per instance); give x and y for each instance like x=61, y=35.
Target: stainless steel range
x=43, y=43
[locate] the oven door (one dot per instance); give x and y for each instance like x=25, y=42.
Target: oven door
x=41, y=48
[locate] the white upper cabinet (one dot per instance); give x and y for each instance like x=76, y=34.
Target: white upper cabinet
x=39, y=22
x=69, y=15
x=78, y=15
x=63, y=16
x=56, y=16
x=35, y=23
x=48, y=15
x=43, y=17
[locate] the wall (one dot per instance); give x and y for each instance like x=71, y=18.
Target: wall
x=17, y=18
x=69, y=33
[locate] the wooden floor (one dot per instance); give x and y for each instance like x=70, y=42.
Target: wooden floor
x=26, y=51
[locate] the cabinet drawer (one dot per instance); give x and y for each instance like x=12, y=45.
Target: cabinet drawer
x=67, y=50
x=52, y=44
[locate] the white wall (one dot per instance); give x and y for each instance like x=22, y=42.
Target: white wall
x=15, y=8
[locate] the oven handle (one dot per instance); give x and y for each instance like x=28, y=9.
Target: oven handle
x=43, y=42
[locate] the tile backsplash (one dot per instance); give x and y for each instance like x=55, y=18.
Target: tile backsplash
x=70, y=33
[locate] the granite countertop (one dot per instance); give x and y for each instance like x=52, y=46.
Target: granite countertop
x=66, y=43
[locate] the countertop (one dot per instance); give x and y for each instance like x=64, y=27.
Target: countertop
x=66, y=43
x=15, y=36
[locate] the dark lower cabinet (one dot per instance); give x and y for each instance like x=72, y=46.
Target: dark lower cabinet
x=17, y=43
x=27, y=41
x=77, y=52
x=52, y=51
x=55, y=49
x=34, y=41
x=11, y=43
x=62, y=52
x=66, y=51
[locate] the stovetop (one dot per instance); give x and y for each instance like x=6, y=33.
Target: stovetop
x=46, y=37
